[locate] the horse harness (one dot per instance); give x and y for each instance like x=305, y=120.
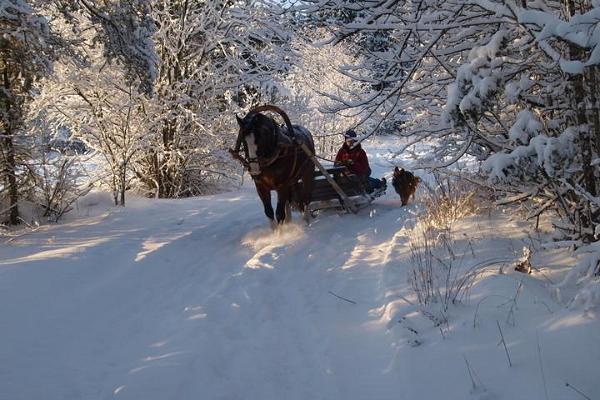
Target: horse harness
x=284, y=145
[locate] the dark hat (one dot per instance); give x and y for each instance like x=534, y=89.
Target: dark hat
x=350, y=134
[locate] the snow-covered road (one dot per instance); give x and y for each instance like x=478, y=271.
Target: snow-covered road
x=173, y=299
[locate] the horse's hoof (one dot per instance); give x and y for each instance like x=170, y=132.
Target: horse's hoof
x=308, y=216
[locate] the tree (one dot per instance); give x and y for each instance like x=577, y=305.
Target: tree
x=27, y=49
x=109, y=115
x=510, y=83
x=213, y=59
x=310, y=86
x=216, y=58
x=30, y=45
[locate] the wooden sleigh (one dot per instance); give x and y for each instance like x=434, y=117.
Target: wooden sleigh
x=337, y=188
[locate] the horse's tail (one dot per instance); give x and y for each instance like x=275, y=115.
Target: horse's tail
x=269, y=107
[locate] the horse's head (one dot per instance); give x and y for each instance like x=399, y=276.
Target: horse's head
x=259, y=135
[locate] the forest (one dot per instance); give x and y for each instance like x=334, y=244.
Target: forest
x=139, y=98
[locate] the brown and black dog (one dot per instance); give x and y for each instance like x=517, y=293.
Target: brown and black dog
x=405, y=183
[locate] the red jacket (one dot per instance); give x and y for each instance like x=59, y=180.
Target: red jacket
x=355, y=159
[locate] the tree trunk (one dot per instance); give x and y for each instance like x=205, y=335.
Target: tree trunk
x=10, y=165
x=583, y=98
x=123, y=184
x=594, y=109
x=10, y=169
x=166, y=189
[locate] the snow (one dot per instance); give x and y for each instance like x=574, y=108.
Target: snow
x=477, y=81
x=525, y=127
x=546, y=152
x=589, y=295
x=581, y=30
x=11, y=9
x=490, y=49
x=514, y=89
x=198, y=298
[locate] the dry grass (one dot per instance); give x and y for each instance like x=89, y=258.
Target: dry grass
x=440, y=273
x=449, y=200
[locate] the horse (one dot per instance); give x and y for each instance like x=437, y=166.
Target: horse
x=276, y=161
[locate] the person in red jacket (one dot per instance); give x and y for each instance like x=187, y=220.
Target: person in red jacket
x=353, y=157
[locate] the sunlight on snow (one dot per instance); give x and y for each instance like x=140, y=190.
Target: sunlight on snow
x=569, y=322
x=283, y=235
x=265, y=242
x=197, y=316
x=151, y=245
x=366, y=253
x=152, y=361
x=62, y=252
x=198, y=313
x=117, y=390
x=386, y=314
x=259, y=260
x=162, y=356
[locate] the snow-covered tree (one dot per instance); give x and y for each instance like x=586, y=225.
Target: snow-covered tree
x=539, y=74
x=30, y=43
x=27, y=49
x=510, y=83
x=216, y=58
x=310, y=86
x=212, y=59
x=109, y=115
x=124, y=27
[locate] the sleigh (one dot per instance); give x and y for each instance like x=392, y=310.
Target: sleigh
x=336, y=188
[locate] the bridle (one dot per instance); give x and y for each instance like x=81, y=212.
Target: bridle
x=256, y=164
x=283, y=143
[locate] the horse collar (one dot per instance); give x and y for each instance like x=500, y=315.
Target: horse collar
x=283, y=144
x=264, y=162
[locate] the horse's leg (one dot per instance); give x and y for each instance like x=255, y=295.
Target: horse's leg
x=283, y=199
x=265, y=196
x=405, y=197
x=288, y=211
x=307, y=187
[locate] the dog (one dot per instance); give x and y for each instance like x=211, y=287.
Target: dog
x=405, y=183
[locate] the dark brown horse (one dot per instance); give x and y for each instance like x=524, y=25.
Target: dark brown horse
x=275, y=160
